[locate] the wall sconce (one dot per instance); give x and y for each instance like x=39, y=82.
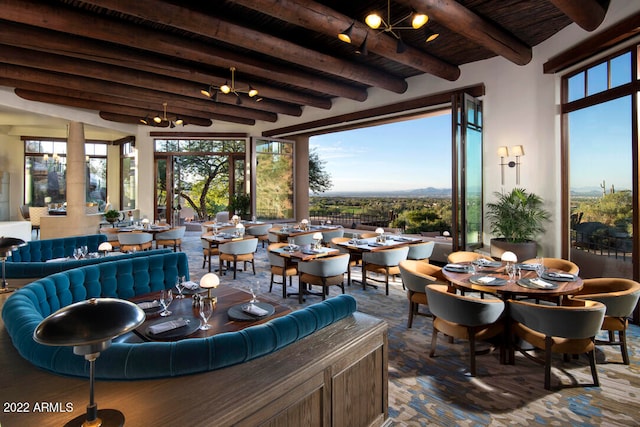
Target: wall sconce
x=517, y=151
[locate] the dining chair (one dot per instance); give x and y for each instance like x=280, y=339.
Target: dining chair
x=35, y=213
x=208, y=249
x=557, y=264
x=465, y=256
x=135, y=241
x=222, y=216
x=565, y=329
x=464, y=317
x=280, y=266
x=239, y=250
x=383, y=262
x=421, y=251
x=304, y=239
x=172, y=237
x=112, y=237
x=620, y=296
x=325, y=272
x=261, y=232
x=416, y=275
x=328, y=235
x=368, y=235
x=355, y=258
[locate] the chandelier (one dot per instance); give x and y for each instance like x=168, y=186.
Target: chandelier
x=212, y=91
x=162, y=119
x=376, y=22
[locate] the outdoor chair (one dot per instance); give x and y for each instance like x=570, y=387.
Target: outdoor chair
x=280, y=267
x=261, y=232
x=421, y=251
x=416, y=275
x=239, y=250
x=557, y=264
x=355, y=258
x=304, y=239
x=222, y=217
x=325, y=272
x=383, y=262
x=558, y=329
x=328, y=235
x=620, y=296
x=135, y=241
x=464, y=317
x=172, y=237
x=208, y=249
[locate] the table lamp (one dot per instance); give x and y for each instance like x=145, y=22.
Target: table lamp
x=105, y=247
x=89, y=326
x=209, y=281
x=8, y=244
x=380, y=233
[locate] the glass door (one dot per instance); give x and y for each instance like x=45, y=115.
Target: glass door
x=467, y=172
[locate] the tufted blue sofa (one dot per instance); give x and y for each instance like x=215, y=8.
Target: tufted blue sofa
x=27, y=307
x=30, y=261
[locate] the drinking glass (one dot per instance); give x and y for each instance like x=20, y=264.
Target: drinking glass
x=76, y=253
x=207, y=305
x=292, y=243
x=85, y=251
x=322, y=222
x=254, y=288
x=180, y=287
x=166, y=297
x=540, y=267
x=511, y=271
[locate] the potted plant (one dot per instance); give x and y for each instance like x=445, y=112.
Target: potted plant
x=240, y=204
x=112, y=216
x=516, y=218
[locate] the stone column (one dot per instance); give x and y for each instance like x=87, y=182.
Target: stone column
x=76, y=222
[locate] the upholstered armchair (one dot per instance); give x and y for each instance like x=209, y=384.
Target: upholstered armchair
x=135, y=241
x=324, y=272
x=280, y=267
x=383, y=262
x=416, y=275
x=620, y=296
x=239, y=250
x=557, y=264
x=558, y=329
x=172, y=237
x=260, y=231
x=464, y=317
x=421, y=251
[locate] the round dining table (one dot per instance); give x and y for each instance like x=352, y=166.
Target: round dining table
x=462, y=279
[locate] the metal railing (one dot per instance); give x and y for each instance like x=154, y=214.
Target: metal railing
x=605, y=245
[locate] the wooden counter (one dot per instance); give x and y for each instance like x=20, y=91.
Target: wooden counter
x=337, y=376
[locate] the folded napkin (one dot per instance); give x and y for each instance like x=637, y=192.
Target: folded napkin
x=456, y=266
x=167, y=326
x=148, y=304
x=191, y=285
x=562, y=275
x=541, y=283
x=486, y=279
x=254, y=310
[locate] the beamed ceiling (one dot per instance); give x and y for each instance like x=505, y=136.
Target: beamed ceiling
x=124, y=58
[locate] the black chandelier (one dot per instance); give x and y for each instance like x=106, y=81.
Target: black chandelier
x=162, y=120
x=226, y=89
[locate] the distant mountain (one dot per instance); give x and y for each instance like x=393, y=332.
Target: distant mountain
x=419, y=192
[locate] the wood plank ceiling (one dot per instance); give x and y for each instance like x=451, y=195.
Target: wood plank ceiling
x=125, y=59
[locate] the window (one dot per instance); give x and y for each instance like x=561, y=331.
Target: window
x=274, y=179
x=599, y=141
x=46, y=172
x=128, y=176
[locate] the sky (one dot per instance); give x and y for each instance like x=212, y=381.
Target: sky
x=405, y=155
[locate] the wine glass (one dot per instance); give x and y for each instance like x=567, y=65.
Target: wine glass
x=254, y=288
x=511, y=271
x=166, y=297
x=292, y=243
x=540, y=267
x=207, y=305
x=85, y=251
x=180, y=287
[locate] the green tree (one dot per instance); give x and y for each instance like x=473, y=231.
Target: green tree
x=319, y=178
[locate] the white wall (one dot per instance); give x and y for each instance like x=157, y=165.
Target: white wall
x=520, y=108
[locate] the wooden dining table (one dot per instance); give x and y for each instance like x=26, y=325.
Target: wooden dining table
x=228, y=298
x=509, y=289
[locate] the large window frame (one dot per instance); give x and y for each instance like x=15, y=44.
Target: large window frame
x=589, y=98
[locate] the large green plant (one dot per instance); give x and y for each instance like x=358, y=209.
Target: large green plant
x=517, y=216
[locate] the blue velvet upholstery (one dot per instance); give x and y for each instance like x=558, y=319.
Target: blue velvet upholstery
x=30, y=261
x=27, y=307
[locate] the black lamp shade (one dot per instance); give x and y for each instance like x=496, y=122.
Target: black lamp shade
x=89, y=322
x=7, y=244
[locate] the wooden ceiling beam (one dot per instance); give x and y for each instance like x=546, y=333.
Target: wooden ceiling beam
x=67, y=45
x=37, y=14
x=458, y=18
x=101, y=106
x=107, y=73
x=150, y=106
x=266, y=44
x=89, y=85
x=588, y=14
x=317, y=17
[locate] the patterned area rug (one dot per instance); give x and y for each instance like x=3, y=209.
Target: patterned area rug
x=438, y=391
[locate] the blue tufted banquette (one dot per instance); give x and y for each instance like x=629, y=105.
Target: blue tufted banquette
x=27, y=307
